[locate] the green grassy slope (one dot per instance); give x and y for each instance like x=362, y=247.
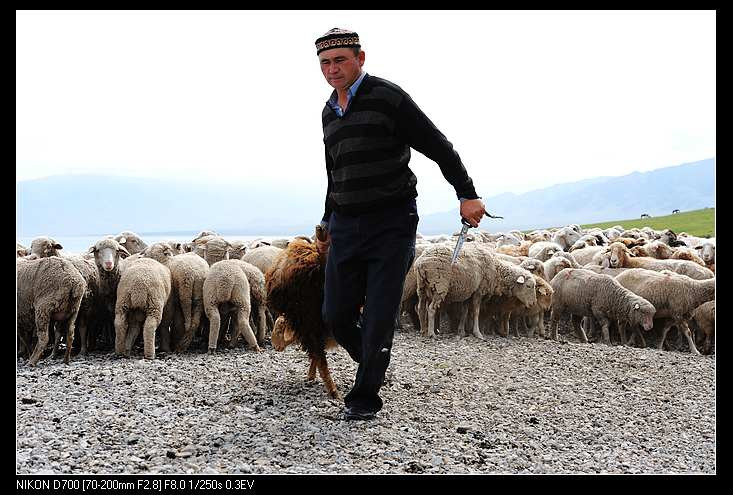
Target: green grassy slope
x=700, y=223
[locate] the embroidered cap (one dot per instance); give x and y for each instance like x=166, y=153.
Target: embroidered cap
x=337, y=38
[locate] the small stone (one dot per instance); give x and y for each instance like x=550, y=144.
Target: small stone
x=463, y=429
x=170, y=454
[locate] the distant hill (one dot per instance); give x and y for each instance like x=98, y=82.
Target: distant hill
x=98, y=204
x=700, y=223
x=686, y=187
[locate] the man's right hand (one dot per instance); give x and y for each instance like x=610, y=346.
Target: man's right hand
x=322, y=245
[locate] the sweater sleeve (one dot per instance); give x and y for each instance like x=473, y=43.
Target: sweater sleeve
x=417, y=130
x=327, y=204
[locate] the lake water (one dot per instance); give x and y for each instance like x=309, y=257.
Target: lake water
x=78, y=244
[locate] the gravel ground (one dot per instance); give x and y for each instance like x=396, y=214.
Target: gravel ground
x=517, y=405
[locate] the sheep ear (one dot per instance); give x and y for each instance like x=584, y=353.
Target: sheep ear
x=124, y=253
x=543, y=291
x=91, y=249
x=58, y=246
x=636, y=306
x=520, y=280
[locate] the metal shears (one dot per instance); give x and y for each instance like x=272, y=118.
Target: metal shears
x=462, y=236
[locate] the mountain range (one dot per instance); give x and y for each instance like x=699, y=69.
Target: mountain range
x=97, y=204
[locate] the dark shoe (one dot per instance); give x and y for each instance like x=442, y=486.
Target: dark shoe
x=354, y=413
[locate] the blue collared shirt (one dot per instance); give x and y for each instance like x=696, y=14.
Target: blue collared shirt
x=333, y=101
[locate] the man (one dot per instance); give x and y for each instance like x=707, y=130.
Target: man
x=369, y=126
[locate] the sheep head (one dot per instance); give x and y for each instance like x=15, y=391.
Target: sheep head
x=159, y=251
x=642, y=313
x=619, y=255
x=282, y=334
x=107, y=254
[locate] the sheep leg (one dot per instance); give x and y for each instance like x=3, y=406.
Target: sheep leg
x=605, y=323
x=151, y=324
x=311, y=371
x=462, y=320
x=165, y=325
x=668, y=324
x=580, y=331
x=622, y=331
x=178, y=329
x=541, y=325
x=682, y=326
x=412, y=311
x=120, y=331
x=244, y=328
x=422, y=312
x=325, y=373
x=132, y=334
x=42, y=326
x=432, y=309
x=554, y=322
x=57, y=332
x=262, y=326
x=476, y=308
x=212, y=313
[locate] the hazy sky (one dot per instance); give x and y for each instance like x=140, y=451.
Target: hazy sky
x=529, y=99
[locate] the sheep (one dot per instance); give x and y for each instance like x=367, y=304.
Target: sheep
x=188, y=272
x=143, y=294
x=704, y=318
x=90, y=309
x=130, y=241
x=108, y=255
x=237, y=249
x=620, y=257
x=226, y=289
x=554, y=265
x=43, y=247
x=506, y=240
x=613, y=233
x=513, y=250
x=568, y=256
x=670, y=238
x=262, y=257
x=204, y=233
x=511, y=259
x=707, y=253
x=48, y=290
x=587, y=254
x=674, y=296
x=543, y=250
x=584, y=293
x=539, y=235
x=566, y=237
x=535, y=267
x=511, y=297
x=409, y=289
x=216, y=249
x=611, y=272
x=176, y=246
x=535, y=314
x=439, y=281
x=655, y=249
x=294, y=286
x=258, y=297
x=21, y=250
x=585, y=241
x=645, y=215
x=689, y=254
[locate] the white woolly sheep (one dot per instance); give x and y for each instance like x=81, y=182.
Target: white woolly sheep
x=226, y=289
x=543, y=250
x=43, y=247
x=188, y=272
x=130, y=241
x=621, y=257
x=566, y=237
x=143, y=295
x=704, y=318
x=674, y=296
x=49, y=291
x=580, y=292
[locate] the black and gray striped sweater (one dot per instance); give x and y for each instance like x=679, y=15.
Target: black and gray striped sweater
x=368, y=150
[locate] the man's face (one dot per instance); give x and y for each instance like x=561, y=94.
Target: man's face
x=340, y=66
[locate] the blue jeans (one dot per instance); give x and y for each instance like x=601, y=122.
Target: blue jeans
x=367, y=263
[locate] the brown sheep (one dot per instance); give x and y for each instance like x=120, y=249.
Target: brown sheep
x=295, y=291
x=512, y=250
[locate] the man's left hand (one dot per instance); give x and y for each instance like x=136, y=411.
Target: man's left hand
x=473, y=210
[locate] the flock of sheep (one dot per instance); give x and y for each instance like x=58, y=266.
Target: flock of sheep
x=216, y=290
